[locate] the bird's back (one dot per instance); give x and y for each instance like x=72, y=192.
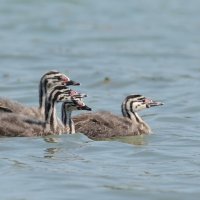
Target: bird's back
x=19, y=108
x=12, y=125
x=104, y=125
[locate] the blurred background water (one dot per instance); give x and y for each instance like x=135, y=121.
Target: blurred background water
x=114, y=48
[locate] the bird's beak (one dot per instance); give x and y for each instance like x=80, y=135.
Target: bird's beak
x=150, y=103
x=71, y=82
x=76, y=94
x=85, y=108
x=80, y=95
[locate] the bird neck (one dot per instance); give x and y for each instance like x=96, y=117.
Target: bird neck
x=67, y=120
x=133, y=116
x=136, y=118
x=142, y=126
x=50, y=116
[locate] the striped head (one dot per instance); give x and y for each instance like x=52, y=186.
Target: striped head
x=74, y=104
x=66, y=112
x=134, y=103
x=48, y=81
x=61, y=93
x=54, y=77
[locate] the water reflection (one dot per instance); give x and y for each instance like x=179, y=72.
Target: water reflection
x=50, y=152
x=134, y=140
x=63, y=147
x=52, y=139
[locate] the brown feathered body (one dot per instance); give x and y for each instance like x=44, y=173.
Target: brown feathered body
x=13, y=125
x=106, y=125
x=19, y=108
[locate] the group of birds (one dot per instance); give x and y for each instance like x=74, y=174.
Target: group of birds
x=19, y=120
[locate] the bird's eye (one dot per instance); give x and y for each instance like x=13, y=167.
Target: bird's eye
x=141, y=100
x=79, y=103
x=147, y=101
x=73, y=93
x=63, y=78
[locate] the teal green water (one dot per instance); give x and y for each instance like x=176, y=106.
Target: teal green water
x=146, y=47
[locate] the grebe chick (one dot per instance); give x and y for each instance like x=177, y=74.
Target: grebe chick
x=66, y=113
x=47, y=82
x=16, y=124
x=106, y=125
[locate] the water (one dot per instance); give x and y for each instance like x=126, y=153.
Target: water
x=146, y=47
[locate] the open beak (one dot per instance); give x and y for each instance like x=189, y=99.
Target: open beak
x=150, y=103
x=72, y=83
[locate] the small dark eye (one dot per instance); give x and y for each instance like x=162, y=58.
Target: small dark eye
x=141, y=100
x=63, y=78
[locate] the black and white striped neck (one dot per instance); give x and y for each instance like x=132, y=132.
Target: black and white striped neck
x=46, y=82
x=57, y=94
x=66, y=116
x=68, y=107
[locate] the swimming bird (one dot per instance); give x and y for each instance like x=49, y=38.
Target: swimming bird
x=18, y=124
x=106, y=125
x=47, y=82
x=66, y=113
x=52, y=121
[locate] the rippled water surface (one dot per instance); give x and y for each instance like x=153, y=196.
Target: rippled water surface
x=114, y=48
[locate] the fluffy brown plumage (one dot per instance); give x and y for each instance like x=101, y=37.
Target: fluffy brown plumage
x=106, y=125
x=13, y=125
x=17, y=107
x=101, y=125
